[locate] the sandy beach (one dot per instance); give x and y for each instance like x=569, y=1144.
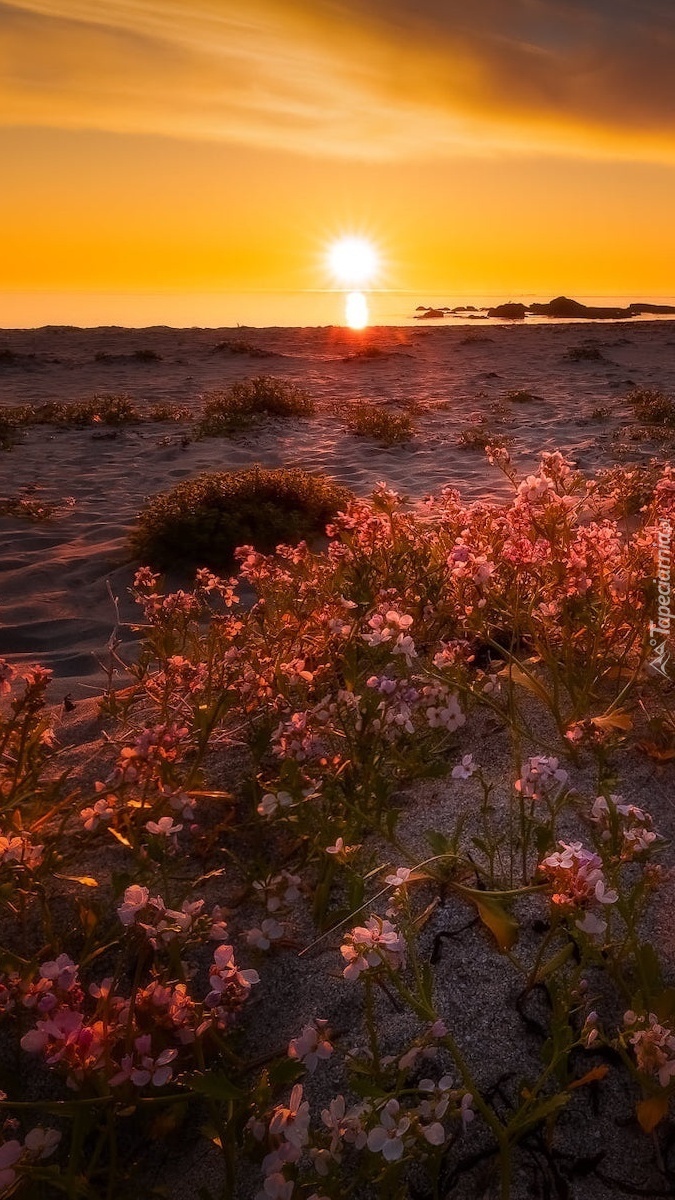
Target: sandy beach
x=55, y=603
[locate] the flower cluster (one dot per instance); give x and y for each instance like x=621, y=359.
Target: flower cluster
x=374, y=944
x=577, y=878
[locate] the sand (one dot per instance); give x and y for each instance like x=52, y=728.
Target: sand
x=55, y=602
x=56, y=608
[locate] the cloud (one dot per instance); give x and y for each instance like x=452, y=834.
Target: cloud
x=356, y=78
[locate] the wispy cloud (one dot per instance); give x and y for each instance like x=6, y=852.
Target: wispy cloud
x=356, y=78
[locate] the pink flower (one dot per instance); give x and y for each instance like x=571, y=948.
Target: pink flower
x=372, y=945
x=312, y=1046
x=164, y=828
x=135, y=899
x=292, y=1123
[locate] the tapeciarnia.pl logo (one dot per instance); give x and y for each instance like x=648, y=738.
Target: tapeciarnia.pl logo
x=659, y=630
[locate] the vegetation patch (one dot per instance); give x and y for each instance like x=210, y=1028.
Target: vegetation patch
x=586, y=352
x=245, y=402
x=203, y=520
x=521, y=396
x=240, y=346
x=380, y=424
x=652, y=406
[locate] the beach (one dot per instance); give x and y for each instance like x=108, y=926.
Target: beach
x=56, y=604
x=230, y=787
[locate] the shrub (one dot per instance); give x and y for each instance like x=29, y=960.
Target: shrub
x=101, y=410
x=244, y=402
x=201, y=521
x=239, y=346
x=8, y=430
x=389, y=428
x=586, y=352
x=521, y=396
x=652, y=406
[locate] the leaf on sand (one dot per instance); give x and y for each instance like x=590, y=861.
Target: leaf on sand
x=616, y=720
x=656, y=752
x=516, y=675
x=651, y=1111
x=215, y=1085
x=589, y=1077
x=120, y=837
x=501, y=924
x=85, y=880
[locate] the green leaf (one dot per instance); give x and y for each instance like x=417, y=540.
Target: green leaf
x=286, y=1071
x=552, y=964
x=215, y=1085
x=440, y=844
x=501, y=924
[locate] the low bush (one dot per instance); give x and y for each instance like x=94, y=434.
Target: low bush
x=521, y=396
x=388, y=428
x=201, y=521
x=652, y=406
x=239, y=346
x=586, y=352
x=240, y=406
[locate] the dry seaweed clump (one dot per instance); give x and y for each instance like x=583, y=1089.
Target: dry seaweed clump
x=244, y=402
x=201, y=521
x=388, y=428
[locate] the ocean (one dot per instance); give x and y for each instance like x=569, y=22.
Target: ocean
x=261, y=309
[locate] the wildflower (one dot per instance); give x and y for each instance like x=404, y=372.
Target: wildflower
x=141, y=1068
x=399, y=878
x=102, y=810
x=278, y=890
x=227, y=981
x=388, y=1136
x=292, y=1123
x=10, y=1153
x=340, y=850
x=371, y=945
x=590, y=1032
x=269, y=931
x=466, y=768
x=653, y=1045
x=636, y=833
x=7, y=676
x=272, y=801
x=539, y=776
x=135, y=899
x=312, y=1046
x=164, y=828
x=577, y=875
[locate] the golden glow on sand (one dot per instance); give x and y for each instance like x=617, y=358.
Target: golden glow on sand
x=353, y=260
x=356, y=310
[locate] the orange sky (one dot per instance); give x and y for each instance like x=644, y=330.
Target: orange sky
x=190, y=145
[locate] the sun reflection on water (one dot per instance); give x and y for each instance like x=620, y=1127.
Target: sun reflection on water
x=356, y=310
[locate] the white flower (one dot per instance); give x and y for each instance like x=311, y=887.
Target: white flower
x=387, y=1137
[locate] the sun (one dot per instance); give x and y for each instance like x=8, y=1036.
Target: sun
x=353, y=260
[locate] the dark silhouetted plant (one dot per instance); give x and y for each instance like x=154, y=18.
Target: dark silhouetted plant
x=201, y=521
x=244, y=402
x=388, y=428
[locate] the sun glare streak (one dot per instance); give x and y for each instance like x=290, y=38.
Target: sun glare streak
x=353, y=260
x=356, y=310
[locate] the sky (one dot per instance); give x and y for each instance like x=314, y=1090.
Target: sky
x=501, y=148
